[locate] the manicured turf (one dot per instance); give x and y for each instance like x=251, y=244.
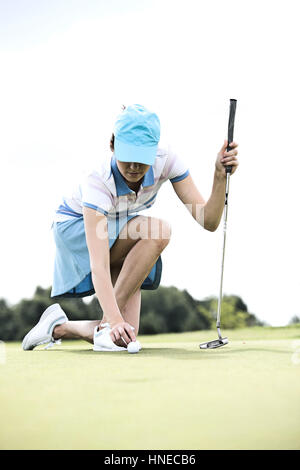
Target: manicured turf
x=171, y=395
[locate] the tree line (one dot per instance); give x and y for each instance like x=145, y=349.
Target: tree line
x=165, y=310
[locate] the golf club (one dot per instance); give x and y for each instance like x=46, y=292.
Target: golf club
x=217, y=343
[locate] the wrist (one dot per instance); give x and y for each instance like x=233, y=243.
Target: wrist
x=220, y=175
x=114, y=320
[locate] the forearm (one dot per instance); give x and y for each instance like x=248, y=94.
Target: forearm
x=213, y=208
x=208, y=214
x=106, y=296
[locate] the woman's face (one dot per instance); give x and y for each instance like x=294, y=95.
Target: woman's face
x=131, y=171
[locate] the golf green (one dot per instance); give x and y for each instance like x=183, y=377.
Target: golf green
x=171, y=395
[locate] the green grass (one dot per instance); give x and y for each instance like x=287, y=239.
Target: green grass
x=169, y=396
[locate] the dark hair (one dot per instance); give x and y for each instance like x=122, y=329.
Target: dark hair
x=112, y=139
x=112, y=142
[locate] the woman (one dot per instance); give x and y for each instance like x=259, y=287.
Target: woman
x=104, y=246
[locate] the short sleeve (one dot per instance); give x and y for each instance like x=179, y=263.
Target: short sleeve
x=175, y=168
x=95, y=194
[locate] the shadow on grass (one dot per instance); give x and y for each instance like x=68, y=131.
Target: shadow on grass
x=174, y=353
x=170, y=353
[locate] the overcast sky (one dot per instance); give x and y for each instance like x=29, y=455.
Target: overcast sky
x=66, y=69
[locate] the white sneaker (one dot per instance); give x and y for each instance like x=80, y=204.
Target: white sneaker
x=103, y=341
x=41, y=333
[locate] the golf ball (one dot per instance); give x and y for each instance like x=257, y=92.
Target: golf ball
x=133, y=347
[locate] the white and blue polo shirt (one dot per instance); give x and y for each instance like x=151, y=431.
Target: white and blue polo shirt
x=106, y=191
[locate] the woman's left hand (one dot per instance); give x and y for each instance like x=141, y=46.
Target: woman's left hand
x=225, y=158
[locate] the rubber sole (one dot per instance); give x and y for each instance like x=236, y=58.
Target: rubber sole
x=102, y=349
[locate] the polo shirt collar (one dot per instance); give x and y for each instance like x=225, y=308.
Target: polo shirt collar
x=121, y=185
x=148, y=179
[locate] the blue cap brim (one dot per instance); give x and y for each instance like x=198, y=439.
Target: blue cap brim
x=132, y=153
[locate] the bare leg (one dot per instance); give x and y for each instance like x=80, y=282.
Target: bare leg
x=131, y=310
x=131, y=262
x=84, y=329
x=140, y=259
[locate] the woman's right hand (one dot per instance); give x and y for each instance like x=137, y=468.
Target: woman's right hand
x=122, y=330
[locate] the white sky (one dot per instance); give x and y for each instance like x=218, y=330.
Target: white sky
x=66, y=68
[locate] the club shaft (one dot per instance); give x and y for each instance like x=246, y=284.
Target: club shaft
x=228, y=170
x=223, y=251
x=232, y=110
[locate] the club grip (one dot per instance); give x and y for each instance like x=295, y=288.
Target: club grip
x=232, y=109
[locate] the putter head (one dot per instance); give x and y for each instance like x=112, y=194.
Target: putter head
x=217, y=343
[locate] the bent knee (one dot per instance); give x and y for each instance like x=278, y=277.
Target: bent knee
x=160, y=232
x=144, y=228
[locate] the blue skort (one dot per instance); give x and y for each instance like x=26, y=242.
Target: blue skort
x=72, y=272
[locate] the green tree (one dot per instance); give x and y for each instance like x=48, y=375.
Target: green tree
x=7, y=322
x=164, y=310
x=294, y=320
x=173, y=310
x=234, y=312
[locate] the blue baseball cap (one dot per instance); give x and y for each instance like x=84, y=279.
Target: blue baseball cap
x=137, y=133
